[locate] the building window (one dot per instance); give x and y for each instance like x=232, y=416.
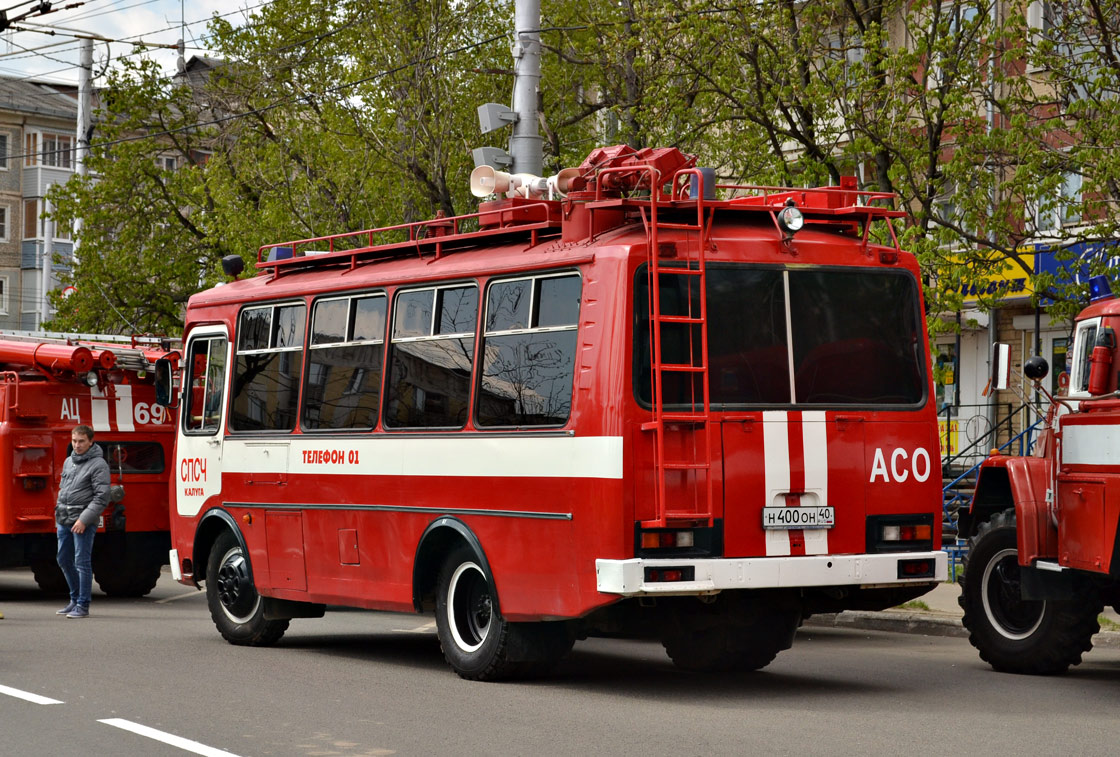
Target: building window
x=1064, y=209
x=5, y=216
x=167, y=162
x=3, y=152
x=3, y=295
x=57, y=150
x=34, y=226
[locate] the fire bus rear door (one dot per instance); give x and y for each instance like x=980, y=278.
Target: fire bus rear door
x=794, y=483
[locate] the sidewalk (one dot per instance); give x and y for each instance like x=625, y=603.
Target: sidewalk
x=942, y=618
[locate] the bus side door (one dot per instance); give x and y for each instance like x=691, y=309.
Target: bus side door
x=198, y=463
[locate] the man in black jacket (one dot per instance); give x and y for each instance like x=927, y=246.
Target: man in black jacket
x=83, y=493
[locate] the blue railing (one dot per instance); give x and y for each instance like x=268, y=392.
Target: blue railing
x=952, y=499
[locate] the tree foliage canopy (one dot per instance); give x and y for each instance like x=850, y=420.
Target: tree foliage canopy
x=332, y=116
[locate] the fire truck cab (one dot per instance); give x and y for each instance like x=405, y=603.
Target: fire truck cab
x=1043, y=530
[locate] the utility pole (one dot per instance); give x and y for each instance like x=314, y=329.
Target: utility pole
x=526, y=144
x=48, y=254
x=85, y=104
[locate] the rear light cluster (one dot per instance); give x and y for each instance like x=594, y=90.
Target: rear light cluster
x=668, y=539
x=670, y=575
x=685, y=540
x=900, y=533
x=906, y=533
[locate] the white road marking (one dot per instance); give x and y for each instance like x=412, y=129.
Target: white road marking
x=28, y=696
x=426, y=628
x=167, y=738
x=195, y=593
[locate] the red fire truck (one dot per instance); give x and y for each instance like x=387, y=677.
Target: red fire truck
x=48, y=386
x=1043, y=558
x=606, y=403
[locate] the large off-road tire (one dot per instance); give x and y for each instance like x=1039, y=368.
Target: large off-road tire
x=235, y=606
x=477, y=642
x=1013, y=635
x=49, y=577
x=127, y=576
x=733, y=647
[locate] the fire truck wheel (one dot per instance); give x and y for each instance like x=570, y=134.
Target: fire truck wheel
x=477, y=642
x=127, y=577
x=732, y=647
x=235, y=605
x=49, y=577
x=1014, y=635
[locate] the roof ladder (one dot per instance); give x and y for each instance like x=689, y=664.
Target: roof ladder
x=682, y=431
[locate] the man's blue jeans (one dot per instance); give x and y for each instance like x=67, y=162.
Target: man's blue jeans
x=75, y=552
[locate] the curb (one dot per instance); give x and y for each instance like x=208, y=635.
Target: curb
x=920, y=623
x=897, y=622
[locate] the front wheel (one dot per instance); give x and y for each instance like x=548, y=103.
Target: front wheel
x=235, y=606
x=477, y=642
x=1012, y=634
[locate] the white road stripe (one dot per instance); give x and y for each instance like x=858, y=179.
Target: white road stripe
x=185, y=595
x=167, y=738
x=28, y=696
x=426, y=628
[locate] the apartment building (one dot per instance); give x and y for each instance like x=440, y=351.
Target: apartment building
x=37, y=138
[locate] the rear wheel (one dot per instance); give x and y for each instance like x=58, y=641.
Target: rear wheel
x=235, y=606
x=732, y=647
x=1012, y=634
x=127, y=575
x=49, y=577
x=477, y=642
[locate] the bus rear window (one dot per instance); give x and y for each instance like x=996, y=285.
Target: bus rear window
x=821, y=336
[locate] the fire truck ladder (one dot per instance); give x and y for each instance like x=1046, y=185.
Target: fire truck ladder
x=682, y=436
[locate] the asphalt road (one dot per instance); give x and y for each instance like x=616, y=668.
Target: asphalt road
x=363, y=683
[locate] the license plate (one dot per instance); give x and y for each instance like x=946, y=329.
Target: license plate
x=798, y=517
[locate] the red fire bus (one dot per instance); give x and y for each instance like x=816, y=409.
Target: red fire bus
x=631, y=409
x=48, y=385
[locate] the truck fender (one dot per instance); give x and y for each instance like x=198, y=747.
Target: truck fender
x=1022, y=483
x=211, y=524
x=439, y=538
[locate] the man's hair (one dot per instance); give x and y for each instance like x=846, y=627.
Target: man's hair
x=84, y=430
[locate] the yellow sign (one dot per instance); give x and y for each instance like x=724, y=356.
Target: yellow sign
x=949, y=433
x=1010, y=282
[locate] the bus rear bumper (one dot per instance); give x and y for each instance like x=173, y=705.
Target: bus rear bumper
x=660, y=577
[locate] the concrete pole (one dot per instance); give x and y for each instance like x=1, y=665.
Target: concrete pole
x=48, y=254
x=525, y=146
x=85, y=105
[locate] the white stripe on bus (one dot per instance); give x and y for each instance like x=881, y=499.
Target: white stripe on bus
x=402, y=455
x=775, y=453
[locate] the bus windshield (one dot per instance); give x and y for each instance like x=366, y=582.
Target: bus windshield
x=821, y=336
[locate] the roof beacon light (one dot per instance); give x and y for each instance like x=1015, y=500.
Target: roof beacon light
x=790, y=219
x=1099, y=289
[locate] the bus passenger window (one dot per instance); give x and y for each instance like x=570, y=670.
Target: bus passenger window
x=430, y=358
x=529, y=351
x=268, y=365
x=344, y=363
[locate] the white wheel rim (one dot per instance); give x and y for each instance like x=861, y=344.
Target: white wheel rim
x=993, y=619
x=452, y=619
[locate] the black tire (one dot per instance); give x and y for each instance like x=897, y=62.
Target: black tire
x=477, y=642
x=235, y=606
x=1013, y=635
x=127, y=577
x=49, y=577
x=732, y=647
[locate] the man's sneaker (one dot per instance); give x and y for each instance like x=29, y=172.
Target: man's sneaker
x=78, y=612
x=67, y=609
